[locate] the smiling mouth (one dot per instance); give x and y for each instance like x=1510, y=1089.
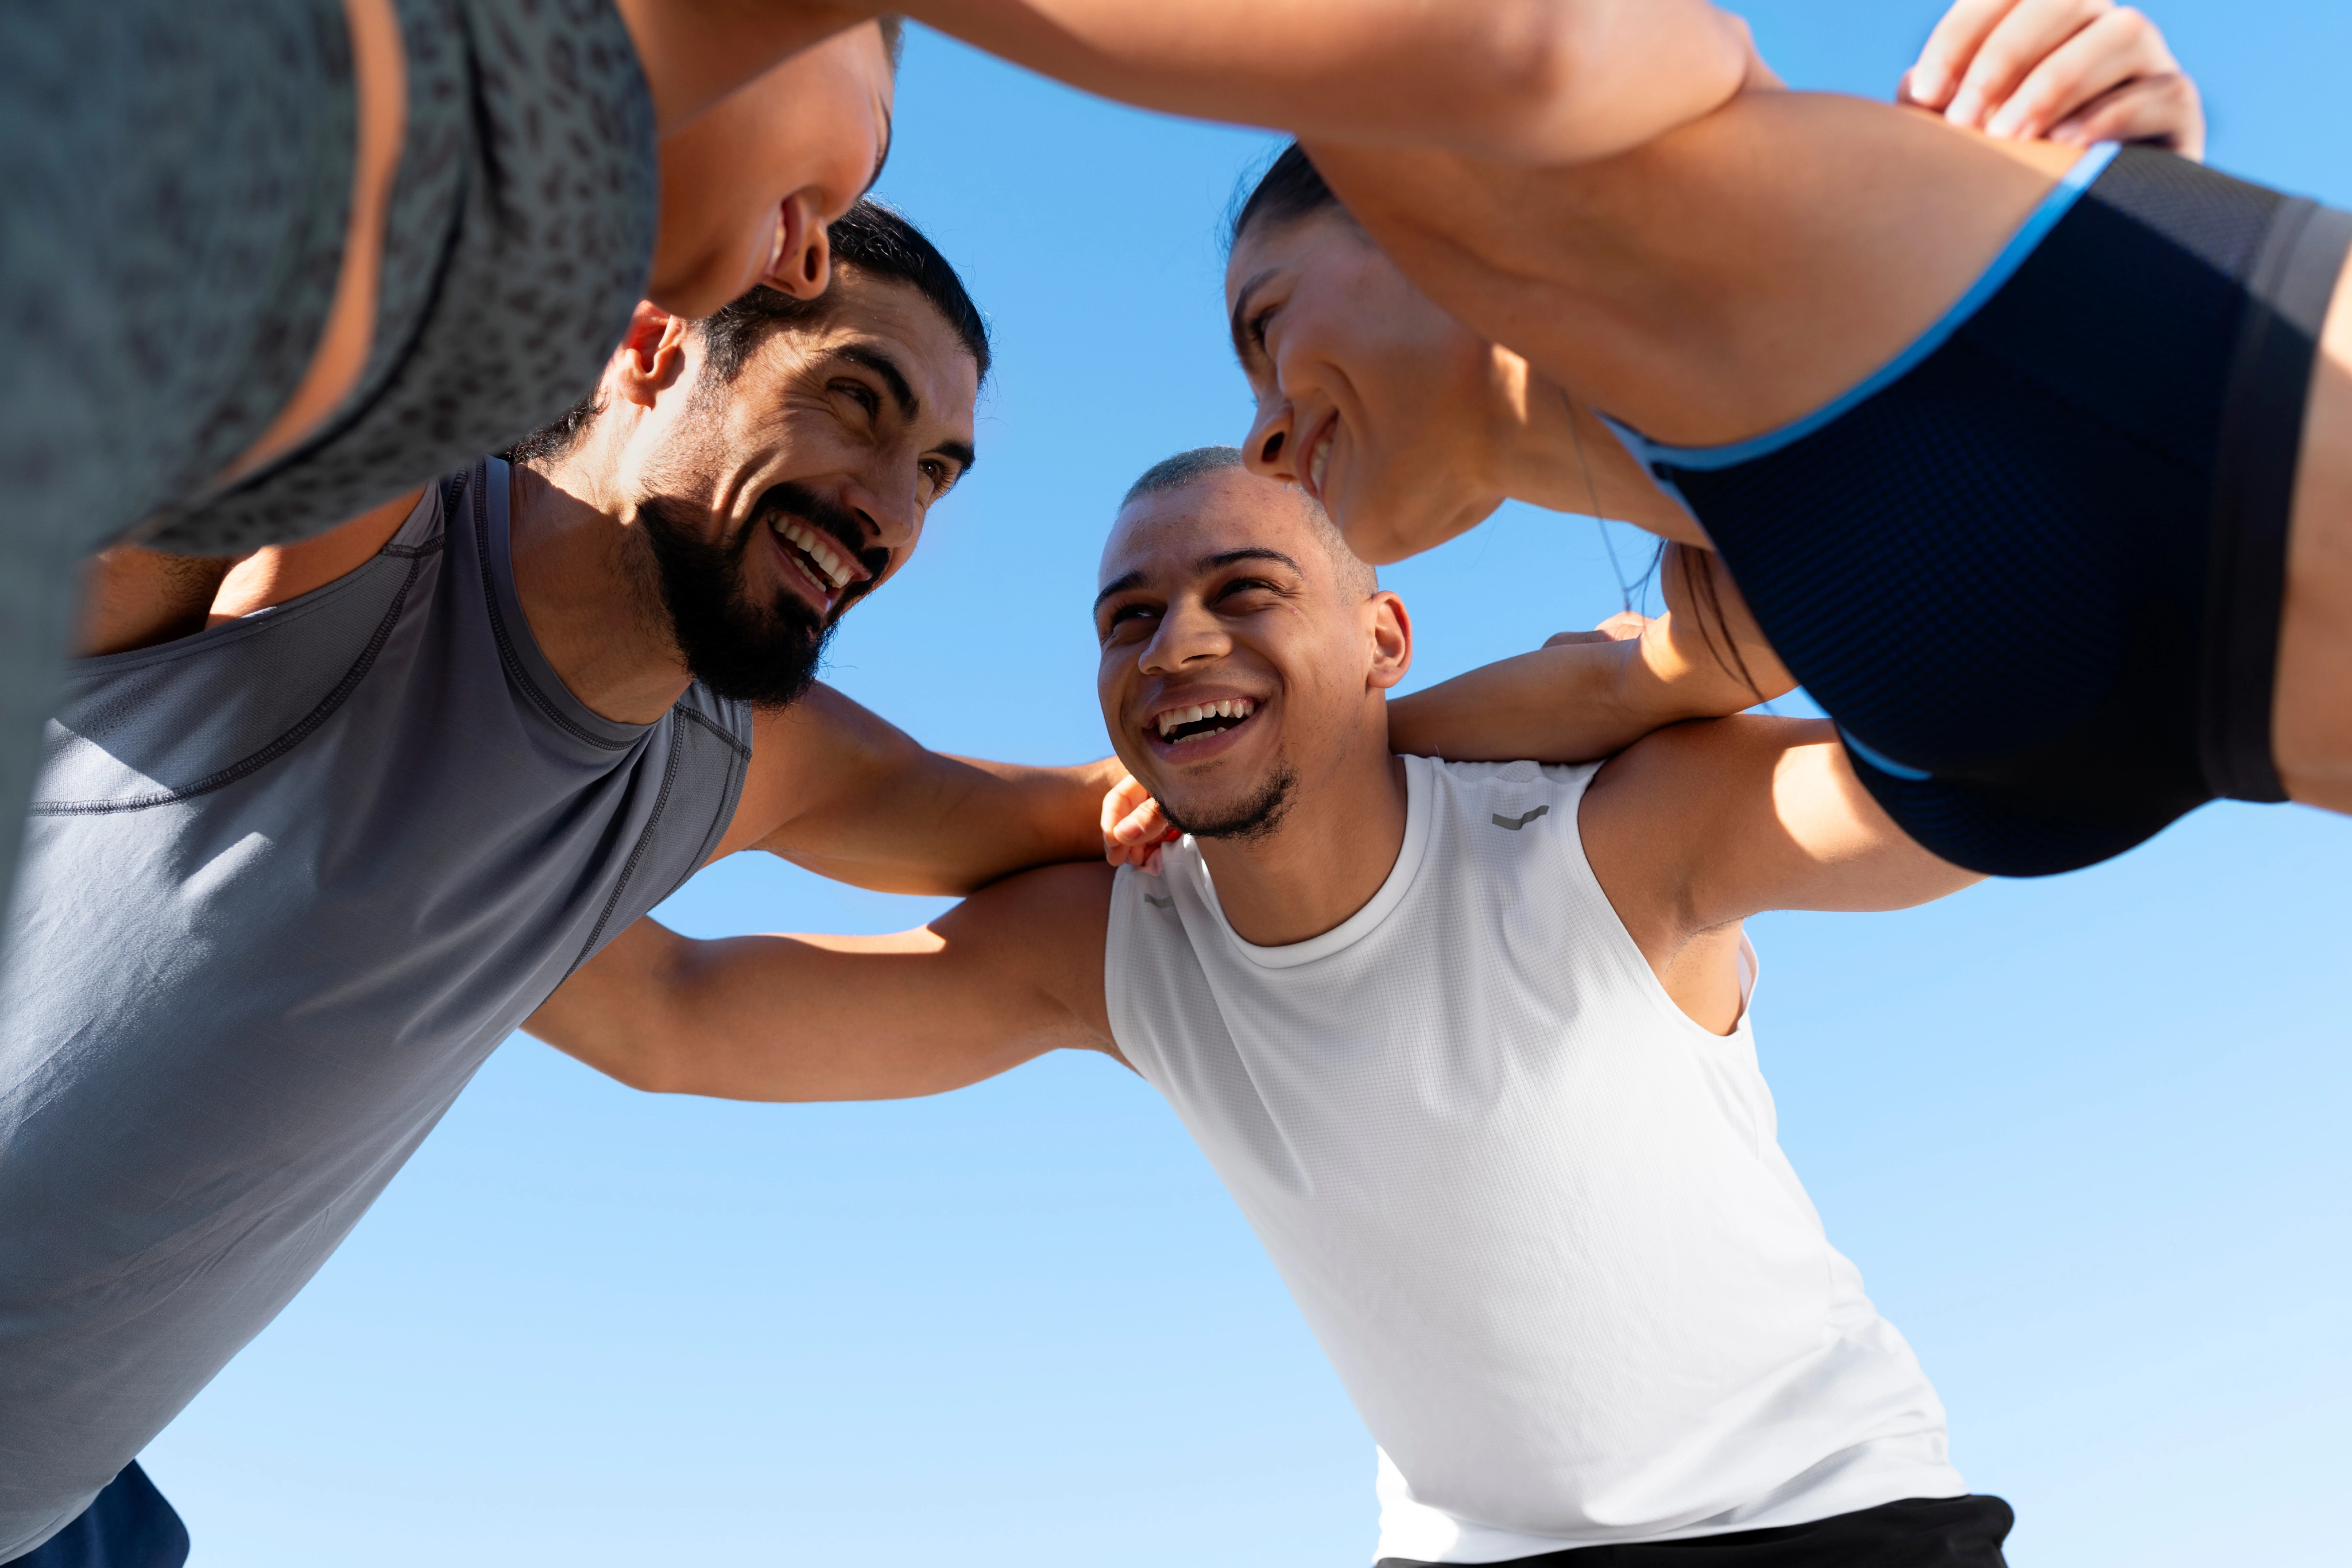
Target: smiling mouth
x=1197, y=721
x=826, y=569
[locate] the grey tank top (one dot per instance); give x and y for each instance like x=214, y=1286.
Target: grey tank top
x=287, y=882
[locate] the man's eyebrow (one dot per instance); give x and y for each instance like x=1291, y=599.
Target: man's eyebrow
x=960, y=453
x=1237, y=321
x=883, y=365
x=1211, y=563
x=1120, y=585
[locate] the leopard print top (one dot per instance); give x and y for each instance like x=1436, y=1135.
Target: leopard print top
x=521, y=236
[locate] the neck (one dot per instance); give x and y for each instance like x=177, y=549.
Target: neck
x=593, y=601
x=1547, y=456
x=1323, y=861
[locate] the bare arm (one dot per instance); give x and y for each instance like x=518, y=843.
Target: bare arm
x=1834, y=230
x=1587, y=694
x=1515, y=80
x=1008, y=975
x=836, y=789
x=1698, y=827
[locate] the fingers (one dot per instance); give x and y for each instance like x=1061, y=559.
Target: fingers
x=2022, y=68
x=1132, y=826
x=1622, y=627
x=1951, y=47
x=2032, y=35
x=2114, y=51
x=2165, y=110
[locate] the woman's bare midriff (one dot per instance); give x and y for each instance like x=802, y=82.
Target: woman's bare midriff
x=378, y=73
x=2311, y=709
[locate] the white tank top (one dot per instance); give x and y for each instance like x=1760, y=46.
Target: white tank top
x=1538, y=1217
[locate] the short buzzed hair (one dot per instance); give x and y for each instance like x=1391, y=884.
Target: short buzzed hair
x=1186, y=467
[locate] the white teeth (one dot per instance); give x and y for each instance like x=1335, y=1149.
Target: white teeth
x=1235, y=709
x=828, y=561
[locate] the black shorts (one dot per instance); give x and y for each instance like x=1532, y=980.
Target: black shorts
x=1917, y=1532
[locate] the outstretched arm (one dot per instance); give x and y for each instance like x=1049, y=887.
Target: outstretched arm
x=836, y=789
x=1534, y=81
x=1587, y=694
x=1009, y=973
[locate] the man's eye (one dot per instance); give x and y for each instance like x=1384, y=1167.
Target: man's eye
x=860, y=394
x=1128, y=617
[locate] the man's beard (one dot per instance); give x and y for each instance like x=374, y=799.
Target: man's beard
x=764, y=654
x=1256, y=816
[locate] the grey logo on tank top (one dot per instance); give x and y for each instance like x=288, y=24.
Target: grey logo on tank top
x=1159, y=902
x=1516, y=823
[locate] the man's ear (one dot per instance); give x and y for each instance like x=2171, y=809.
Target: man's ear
x=1392, y=641
x=651, y=358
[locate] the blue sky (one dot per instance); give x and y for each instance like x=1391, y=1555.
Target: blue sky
x=2083, y=1137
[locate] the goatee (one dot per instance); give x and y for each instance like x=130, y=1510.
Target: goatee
x=1254, y=817
x=764, y=652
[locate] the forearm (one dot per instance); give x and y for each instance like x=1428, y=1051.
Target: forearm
x=786, y=1019
x=1005, y=977
x=1573, y=702
x=951, y=825
x=1534, y=81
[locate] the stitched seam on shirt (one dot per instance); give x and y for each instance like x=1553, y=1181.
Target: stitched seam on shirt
x=645, y=840
x=506, y=654
x=724, y=734
x=286, y=742
x=730, y=797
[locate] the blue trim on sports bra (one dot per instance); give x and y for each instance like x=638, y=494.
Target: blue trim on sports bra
x=2036, y=228
x=1879, y=760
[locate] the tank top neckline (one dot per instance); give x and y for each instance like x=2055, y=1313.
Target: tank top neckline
x=1357, y=926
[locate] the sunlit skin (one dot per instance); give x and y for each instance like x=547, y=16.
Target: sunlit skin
x=1407, y=425
x=1222, y=589
x=871, y=408
x=749, y=185
x=1834, y=233
x=1210, y=593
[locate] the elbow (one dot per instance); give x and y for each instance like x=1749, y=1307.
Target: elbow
x=1582, y=81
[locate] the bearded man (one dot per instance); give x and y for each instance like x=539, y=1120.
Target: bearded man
x=319, y=828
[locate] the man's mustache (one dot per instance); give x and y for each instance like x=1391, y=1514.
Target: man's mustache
x=805, y=506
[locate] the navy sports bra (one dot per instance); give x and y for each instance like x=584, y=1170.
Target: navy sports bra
x=2033, y=566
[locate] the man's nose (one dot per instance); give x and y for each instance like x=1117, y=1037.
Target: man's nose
x=891, y=513
x=1187, y=634
x=1267, y=451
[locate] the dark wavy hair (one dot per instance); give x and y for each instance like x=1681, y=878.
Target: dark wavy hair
x=870, y=238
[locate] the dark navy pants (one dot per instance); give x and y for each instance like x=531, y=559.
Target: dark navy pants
x=128, y=1526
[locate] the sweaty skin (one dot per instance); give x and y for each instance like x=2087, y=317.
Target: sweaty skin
x=1216, y=591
